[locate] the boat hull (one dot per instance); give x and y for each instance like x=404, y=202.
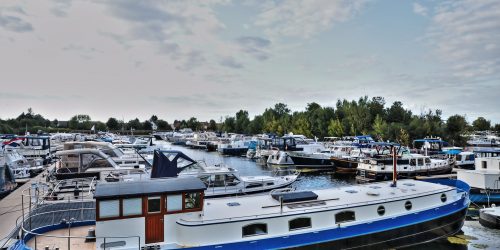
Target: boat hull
x=343, y=166
x=233, y=151
x=384, y=176
x=480, y=197
x=489, y=220
x=311, y=162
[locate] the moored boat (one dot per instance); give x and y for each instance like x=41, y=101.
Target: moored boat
x=173, y=214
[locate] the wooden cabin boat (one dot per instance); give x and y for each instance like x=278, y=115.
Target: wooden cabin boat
x=173, y=214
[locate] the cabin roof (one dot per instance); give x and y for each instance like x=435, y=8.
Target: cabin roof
x=154, y=186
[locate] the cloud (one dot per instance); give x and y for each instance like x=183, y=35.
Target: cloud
x=61, y=8
x=14, y=23
x=230, y=62
x=255, y=46
x=420, y=9
x=305, y=18
x=465, y=36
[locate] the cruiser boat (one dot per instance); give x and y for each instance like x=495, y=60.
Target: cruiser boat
x=32, y=147
x=484, y=140
x=238, y=145
x=220, y=180
x=19, y=166
x=429, y=145
x=484, y=180
x=381, y=167
x=174, y=214
x=289, y=143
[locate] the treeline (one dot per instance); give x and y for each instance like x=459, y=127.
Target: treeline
x=364, y=116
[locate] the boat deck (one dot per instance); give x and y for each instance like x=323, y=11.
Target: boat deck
x=62, y=242
x=264, y=205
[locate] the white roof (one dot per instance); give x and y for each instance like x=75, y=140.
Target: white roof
x=265, y=205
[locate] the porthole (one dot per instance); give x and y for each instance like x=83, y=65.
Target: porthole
x=381, y=210
x=443, y=198
x=408, y=205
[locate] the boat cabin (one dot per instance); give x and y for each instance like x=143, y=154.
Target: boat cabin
x=146, y=211
x=486, y=152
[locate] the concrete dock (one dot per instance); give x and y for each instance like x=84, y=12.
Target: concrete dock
x=11, y=211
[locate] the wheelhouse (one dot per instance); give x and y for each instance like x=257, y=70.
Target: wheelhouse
x=145, y=208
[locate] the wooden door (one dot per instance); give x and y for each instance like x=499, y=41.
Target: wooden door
x=154, y=219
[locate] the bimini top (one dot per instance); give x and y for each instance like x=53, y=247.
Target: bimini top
x=152, y=186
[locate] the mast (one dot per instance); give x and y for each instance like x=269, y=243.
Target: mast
x=394, y=167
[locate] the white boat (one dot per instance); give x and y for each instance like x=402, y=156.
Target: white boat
x=19, y=165
x=173, y=214
x=484, y=180
x=281, y=146
x=490, y=217
x=408, y=165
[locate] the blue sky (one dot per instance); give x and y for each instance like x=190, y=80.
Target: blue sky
x=209, y=59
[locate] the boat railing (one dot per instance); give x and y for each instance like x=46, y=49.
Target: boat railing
x=39, y=224
x=313, y=208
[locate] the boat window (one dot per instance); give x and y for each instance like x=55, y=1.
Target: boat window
x=420, y=162
x=231, y=180
x=132, y=206
x=192, y=200
x=484, y=164
x=154, y=204
x=345, y=216
x=443, y=198
x=413, y=162
x=381, y=210
x=299, y=223
x=254, y=185
x=174, y=203
x=408, y=205
x=109, y=208
x=427, y=160
x=254, y=229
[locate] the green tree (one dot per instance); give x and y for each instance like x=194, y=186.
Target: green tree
x=81, y=121
x=301, y=126
x=153, y=118
x=134, y=124
x=256, y=126
x=379, y=127
x=212, y=125
x=113, y=124
x=146, y=125
x=229, y=124
x=456, y=126
x=163, y=125
x=404, y=137
x=335, y=128
x=241, y=122
x=481, y=124
x=193, y=124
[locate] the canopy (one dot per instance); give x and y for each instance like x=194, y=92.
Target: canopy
x=168, y=163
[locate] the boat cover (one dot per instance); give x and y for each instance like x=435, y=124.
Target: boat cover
x=168, y=163
x=295, y=196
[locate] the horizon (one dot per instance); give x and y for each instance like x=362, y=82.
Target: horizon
x=209, y=59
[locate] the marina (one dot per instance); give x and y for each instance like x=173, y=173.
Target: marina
x=271, y=124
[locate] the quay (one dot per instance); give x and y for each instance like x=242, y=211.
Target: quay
x=11, y=212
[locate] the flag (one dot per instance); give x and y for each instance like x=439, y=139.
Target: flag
x=14, y=142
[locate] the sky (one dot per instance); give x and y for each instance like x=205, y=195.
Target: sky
x=211, y=58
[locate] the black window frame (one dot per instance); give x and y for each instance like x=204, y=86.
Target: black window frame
x=348, y=213
x=294, y=220
x=244, y=228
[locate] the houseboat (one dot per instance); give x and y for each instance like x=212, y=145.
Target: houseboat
x=290, y=143
x=173, y=214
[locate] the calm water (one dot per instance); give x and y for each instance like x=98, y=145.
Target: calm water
x=474, y=235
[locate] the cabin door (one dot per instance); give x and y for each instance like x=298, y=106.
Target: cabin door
x=154, y=219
